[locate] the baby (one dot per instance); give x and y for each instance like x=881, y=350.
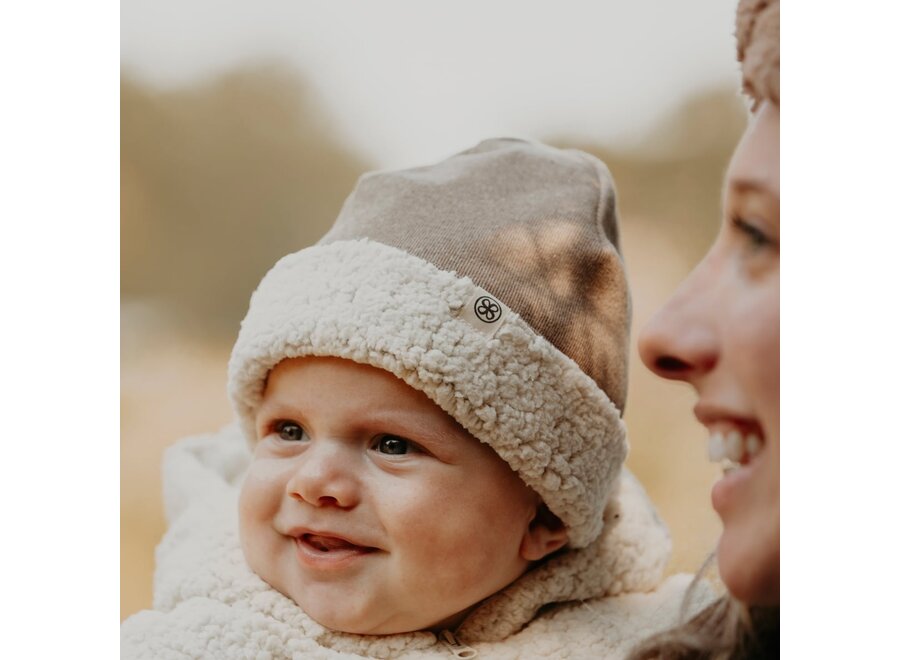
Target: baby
x=432, y=397
x=374, y=510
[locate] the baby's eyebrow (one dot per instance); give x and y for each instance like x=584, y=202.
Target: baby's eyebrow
x=409, y=421
x=272, y=407
x=267, y=404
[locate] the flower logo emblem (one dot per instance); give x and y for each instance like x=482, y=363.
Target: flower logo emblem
x=487, y=309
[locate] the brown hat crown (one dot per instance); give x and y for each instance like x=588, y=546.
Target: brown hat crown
x=533, y=225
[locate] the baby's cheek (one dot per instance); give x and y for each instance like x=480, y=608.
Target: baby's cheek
x=246, y=506
x=258, y=505
x=461, y=549
x=259, y=497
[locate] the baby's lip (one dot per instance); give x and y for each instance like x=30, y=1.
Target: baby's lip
x=327, y=540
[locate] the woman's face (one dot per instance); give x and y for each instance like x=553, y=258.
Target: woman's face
x=720, y=333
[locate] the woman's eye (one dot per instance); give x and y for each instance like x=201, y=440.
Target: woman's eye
x=392, y=445
x=290, y=431
x=758, y=239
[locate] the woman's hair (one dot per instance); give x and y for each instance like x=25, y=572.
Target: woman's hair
x=724, y=630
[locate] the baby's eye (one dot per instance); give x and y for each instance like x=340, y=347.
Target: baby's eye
x=290, y=431
x=392, y=445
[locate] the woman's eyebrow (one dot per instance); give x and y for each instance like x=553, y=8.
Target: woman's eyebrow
x=751, y=186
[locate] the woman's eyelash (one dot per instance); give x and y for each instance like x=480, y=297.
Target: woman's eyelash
x=757, y=237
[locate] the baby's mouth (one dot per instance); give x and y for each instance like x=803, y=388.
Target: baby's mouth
x=331, y=544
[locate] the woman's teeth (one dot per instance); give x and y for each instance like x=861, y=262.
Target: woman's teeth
x=733, y=446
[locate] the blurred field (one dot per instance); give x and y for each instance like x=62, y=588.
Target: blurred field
x=171, y=387
x=219, y=181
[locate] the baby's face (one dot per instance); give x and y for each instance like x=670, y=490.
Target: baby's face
x=372, y=508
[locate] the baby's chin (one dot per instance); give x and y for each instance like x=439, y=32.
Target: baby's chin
x=364, y=624
x=376, y=621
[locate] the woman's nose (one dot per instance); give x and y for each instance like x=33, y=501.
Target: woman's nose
x=326, y=475
x=680, y=342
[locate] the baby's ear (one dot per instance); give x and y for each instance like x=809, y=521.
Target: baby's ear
x=546, y=534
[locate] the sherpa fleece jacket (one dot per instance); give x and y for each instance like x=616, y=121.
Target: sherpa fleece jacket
x=209, y=604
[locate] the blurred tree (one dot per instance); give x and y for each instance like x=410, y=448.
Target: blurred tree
x=673, y=178
x=219, y=181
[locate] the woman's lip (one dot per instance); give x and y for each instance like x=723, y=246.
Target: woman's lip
x=727, y=490
x=713, y=416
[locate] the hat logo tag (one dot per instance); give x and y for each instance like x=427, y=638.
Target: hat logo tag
x=484, y=312
x=487, y=309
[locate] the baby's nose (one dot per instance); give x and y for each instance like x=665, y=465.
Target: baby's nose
x=325, y=477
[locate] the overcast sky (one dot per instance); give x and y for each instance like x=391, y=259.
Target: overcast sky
x=410, y=81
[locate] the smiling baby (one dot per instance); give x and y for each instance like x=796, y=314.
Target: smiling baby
x=374, y=510
x=432, y=398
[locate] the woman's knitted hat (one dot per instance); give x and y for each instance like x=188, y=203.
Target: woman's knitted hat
x=758, y=32
x=493, y=283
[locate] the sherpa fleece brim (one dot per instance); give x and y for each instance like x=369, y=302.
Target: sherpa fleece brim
x=441, y=334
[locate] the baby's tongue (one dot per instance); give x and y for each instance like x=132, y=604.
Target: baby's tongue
x=327, y=543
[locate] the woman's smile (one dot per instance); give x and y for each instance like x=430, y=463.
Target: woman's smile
x=739, y=476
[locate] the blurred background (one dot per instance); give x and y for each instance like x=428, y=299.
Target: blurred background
x=245, y=125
